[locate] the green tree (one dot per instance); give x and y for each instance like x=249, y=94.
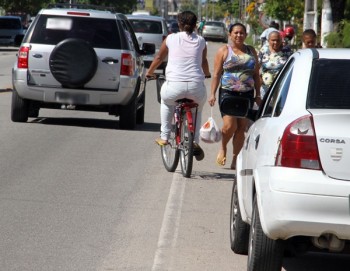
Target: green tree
x=340, y=37
x=122, y=6
x=232, y=6
x=29, y=6
x=285, y=10
x=33, y=6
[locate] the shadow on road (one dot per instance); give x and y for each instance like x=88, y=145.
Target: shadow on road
x=93, y=123
x=217, y=176
x=317, y=262
x=8, y=49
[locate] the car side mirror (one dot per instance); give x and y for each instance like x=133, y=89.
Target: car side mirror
x=148, y=49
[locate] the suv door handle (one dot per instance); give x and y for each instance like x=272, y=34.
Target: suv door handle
x=110, y=60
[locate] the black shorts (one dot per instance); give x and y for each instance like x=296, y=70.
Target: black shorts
x=247, y=94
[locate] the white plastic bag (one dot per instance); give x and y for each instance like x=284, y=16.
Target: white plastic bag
x=210, y=132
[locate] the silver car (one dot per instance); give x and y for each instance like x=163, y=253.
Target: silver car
x=215, y=31
x=150, y=29
x=83, y=59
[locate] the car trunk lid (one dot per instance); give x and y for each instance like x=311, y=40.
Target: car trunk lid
x=333, y=140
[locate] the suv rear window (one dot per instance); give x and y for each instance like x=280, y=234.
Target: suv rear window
x=100, y=33
x=144, y=26
x=330, y=84
x=10, y=23
x=214, y=24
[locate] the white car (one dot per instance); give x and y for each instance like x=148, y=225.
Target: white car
x=292, y=187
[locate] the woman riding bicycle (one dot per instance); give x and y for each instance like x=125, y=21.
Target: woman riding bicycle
x=185, y=73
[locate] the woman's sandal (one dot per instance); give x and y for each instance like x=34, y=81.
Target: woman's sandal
x=221, y=160
x=161, y=142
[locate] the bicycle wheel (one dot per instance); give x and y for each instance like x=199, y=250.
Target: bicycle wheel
x=170, y=152
x=186, y=148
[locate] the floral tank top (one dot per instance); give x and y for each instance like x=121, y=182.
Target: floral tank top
x=238, y=71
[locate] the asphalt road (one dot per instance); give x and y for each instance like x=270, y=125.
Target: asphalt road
x=77, y=193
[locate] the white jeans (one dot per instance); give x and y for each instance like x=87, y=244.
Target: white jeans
x=172, y=91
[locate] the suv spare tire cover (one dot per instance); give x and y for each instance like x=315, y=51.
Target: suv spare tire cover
x=73, y=62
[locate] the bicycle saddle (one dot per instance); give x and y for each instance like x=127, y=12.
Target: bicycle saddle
x=184, y=100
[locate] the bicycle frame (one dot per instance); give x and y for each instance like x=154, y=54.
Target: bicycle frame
x=185, y=107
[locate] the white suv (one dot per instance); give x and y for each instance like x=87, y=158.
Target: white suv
x=75, y=57
x=292, y=189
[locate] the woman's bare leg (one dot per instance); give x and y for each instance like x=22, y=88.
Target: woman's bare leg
x=228, y=129
x=238, y=139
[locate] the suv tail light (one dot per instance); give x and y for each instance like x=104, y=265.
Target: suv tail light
x=298, y=146
x=127, y=65
x=23, y=55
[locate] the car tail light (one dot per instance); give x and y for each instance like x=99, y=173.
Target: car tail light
x=23, y=55
x=127, y=65
x=298, y=146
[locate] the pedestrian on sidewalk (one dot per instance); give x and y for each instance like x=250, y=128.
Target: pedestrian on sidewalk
x=236, y=70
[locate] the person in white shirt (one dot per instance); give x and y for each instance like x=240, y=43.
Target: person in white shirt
x=185, y=73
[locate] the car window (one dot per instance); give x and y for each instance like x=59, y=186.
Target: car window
x=100, y=33
x=10, y=23
x=278, y=93
x=144, y=26
x=129, y=35
x=215, y=24
x=329, y=84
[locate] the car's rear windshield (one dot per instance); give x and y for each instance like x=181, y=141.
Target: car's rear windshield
x=144, y=26
x=10, y=23
x=214, y=24
x=330, y=84
x=100, y=33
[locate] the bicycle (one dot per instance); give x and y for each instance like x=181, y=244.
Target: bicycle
x=181, y=146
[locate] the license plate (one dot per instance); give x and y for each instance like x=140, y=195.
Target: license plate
x=71, y=98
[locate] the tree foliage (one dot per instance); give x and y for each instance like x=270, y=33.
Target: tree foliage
x=33, y=6
x=284, y=10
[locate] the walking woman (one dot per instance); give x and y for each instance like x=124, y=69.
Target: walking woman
x=272, y=58
x=236, y=71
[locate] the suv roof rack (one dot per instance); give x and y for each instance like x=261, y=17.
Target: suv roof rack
x=81, y=6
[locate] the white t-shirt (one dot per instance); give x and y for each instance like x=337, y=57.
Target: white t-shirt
x=185, y=57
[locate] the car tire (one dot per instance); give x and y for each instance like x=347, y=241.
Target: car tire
x=264, y=254
x=140, y=114
x=73, y=62
x=239, y=230
x=19, y=108
x=127, y=117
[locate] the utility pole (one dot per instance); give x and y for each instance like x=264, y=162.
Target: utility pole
x=199, y=10
x=327, y=21
x=310, y=15
x=206, y=10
